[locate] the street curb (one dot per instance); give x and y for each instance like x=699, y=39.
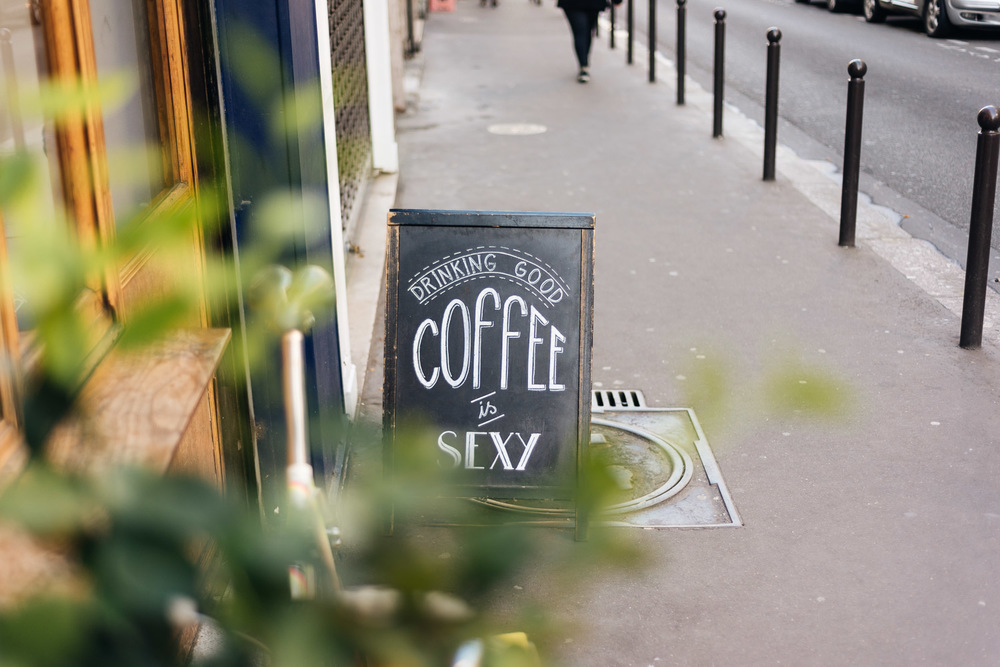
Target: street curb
x=819, y=181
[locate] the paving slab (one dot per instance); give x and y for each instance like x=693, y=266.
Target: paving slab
x=859, y=442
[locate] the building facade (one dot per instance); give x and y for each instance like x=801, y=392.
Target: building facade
x=259, y=121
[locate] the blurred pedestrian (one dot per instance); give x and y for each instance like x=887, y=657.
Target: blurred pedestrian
x=582, y=17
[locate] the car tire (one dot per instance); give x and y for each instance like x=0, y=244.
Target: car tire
x=873, y=11
x=936, y=21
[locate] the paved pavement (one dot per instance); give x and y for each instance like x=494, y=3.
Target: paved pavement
x=872, y=535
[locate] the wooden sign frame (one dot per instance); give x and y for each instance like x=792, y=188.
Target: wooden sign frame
x=488, y=338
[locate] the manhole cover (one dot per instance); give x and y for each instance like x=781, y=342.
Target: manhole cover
x=516, y=129
x=660, y=461
x=645, y=469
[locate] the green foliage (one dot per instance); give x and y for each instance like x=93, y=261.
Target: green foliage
x=799, y=388
x=723, y=393
x=140, y=541
x=147, y=554
x=61, y=99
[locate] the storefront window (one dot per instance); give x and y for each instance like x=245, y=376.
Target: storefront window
x=24, y=134
x=132, y=130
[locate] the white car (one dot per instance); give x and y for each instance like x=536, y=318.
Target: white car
x=939, y=16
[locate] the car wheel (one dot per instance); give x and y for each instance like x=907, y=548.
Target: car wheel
x=873, y=11
x=936, y=22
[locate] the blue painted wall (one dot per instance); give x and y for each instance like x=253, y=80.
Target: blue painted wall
x=268, y=50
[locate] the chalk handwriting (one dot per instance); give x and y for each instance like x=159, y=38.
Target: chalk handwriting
x=514, y=317
x=487, y=411
x=500, y=442
x=512, y=264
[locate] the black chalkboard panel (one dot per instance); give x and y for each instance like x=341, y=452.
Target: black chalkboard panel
x=488, y=339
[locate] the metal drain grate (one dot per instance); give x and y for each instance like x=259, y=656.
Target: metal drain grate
x=617, y=399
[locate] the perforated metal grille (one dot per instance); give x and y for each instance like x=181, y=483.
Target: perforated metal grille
x=616, y=399
x=350, y=101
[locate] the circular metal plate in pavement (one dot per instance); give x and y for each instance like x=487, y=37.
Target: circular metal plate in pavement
x=516, y=129
x=645, y=468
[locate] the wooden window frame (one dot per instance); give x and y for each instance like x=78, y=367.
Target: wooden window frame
x=83, y=167
x=11, y=451
x=83, y=158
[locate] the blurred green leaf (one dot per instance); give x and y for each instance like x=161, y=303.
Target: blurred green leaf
x=709, y=389
x=298, y=113
x=177, y=507
x=137, y=165
x=59, y=98
x=147, y=322
x=801, y=389
x=43, y=632
x=255, y=65
x=283, y=217
x=49, y=504
x=18, y=177
x=142, y=572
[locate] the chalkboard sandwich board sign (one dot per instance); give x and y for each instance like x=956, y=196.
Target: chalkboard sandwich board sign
x=489, y=319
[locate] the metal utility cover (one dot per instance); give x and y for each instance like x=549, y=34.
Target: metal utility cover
x=629, y=439
x=660, y=458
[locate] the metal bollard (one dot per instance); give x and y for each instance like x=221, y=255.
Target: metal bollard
x=852, y=152
x=720, y=50
x=411, y=46
x=984, y=187
x=771, y=101
x=611, y=44
x=681, y=48
x=652, y=41
x=629, y=22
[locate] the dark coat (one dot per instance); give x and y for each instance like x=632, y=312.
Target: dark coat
x=583, y=5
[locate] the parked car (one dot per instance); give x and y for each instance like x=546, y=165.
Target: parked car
x=939, y=16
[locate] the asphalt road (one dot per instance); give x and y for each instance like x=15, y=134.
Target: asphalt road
x=921, y=100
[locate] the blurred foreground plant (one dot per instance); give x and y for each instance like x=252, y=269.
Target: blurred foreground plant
x=113, y=569
x=147, y=556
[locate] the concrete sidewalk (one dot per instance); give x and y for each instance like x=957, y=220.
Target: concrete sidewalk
x=871, y=536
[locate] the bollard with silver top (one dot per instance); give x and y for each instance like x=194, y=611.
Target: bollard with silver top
x=720, y=52
x=771, y=101
x=984, y=189
x=852, y=152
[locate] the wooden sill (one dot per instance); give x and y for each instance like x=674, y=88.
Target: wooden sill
x=137, y=405
x=136, y=408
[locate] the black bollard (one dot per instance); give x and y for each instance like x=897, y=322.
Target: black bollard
x=652, y=41
x=852, y=152
x=629, y=14
x=681, y=48
x=411, y=46
x=771, y=101
x=612, y=38
x=984, y=187
x=720, y=51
